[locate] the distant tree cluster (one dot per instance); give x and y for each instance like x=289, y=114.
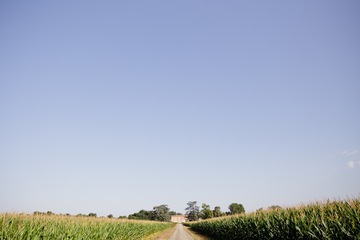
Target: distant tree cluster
x=274, y=207
x=270, y=208
x=44, y=213
x=142, y=215
x=77, y=215
x=236, y=208
x=92, y=215
x=194, y=213
x=160, y=213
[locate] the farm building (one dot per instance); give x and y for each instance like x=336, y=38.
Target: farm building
x=178, y=218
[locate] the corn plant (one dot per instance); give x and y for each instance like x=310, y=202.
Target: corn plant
x=329, y=220
x=21, y=226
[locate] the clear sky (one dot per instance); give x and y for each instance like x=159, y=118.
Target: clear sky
x=118, y=106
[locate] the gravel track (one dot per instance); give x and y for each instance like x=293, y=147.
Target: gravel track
x=180, y=233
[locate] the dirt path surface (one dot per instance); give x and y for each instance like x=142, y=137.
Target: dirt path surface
x=180, y=234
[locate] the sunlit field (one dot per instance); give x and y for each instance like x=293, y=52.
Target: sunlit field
x=22, y=226
x=329, y=220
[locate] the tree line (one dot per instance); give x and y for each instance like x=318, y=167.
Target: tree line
x=162, y=212
x=193, y=212
x=49, y=213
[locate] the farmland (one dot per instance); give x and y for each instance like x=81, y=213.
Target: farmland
x=22, y=226
x=322, y=220
x=328, y=220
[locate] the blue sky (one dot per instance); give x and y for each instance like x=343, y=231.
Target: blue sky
x=117, y=106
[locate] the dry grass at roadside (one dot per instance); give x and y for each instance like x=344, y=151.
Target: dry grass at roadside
x=195, y=235
x=164, y=235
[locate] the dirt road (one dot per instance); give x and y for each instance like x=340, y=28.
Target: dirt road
x=180, y=233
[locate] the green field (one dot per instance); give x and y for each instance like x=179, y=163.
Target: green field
x=22, y=226
x=330, y=220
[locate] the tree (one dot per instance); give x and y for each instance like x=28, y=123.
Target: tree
x=206, y=211
x=192, y=211
x=92, y=215
x=217, y=212
x=236, y=208
x=142, y=215
x=274, y=207
x=161, y=213
x=110, y=216
x=172, y=213
x=260, y=209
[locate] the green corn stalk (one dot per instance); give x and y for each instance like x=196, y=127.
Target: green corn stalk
x=329, y=220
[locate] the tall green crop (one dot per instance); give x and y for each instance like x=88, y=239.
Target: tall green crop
x=19, y=226
x=330, y=220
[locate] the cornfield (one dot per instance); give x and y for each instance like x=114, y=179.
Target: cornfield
x=329, y=220
x=21, y=226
